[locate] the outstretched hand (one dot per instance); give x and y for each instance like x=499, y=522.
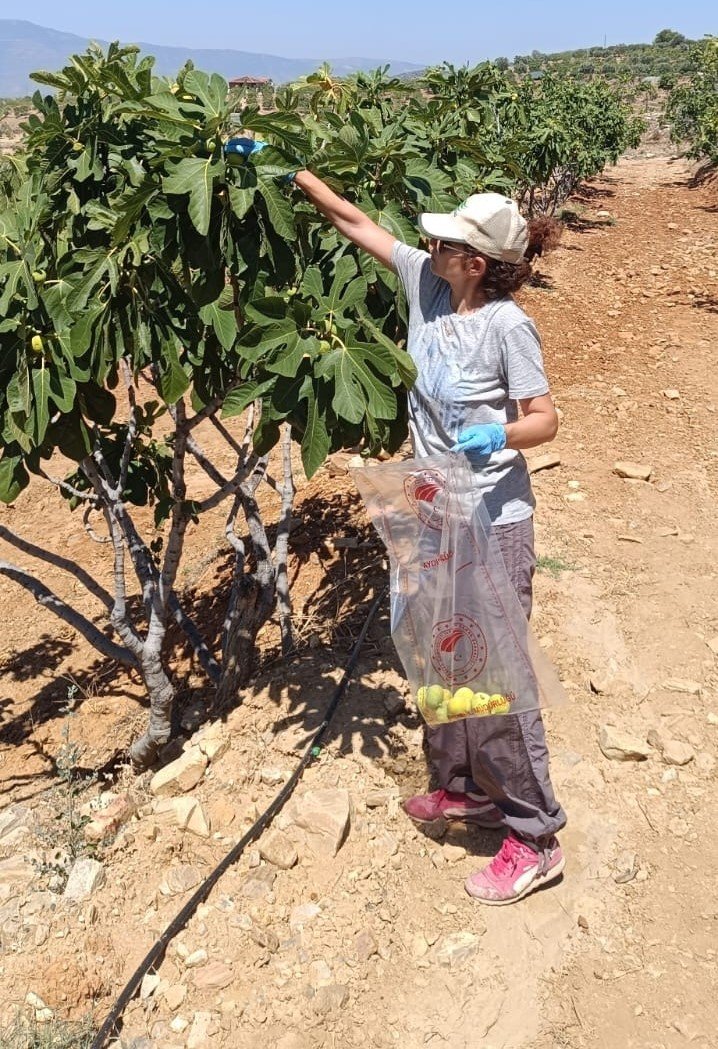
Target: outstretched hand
x=483, y=439
x=244, y=147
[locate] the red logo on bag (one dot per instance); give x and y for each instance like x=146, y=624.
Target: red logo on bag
x=458, y=649
x=424, y=491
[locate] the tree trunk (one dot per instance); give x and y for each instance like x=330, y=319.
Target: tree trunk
x=145, y=751
x=250, y=609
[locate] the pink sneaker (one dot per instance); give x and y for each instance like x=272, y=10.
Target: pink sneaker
x=425, y=808
x=515, y=871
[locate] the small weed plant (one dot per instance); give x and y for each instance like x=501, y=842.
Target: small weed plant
x=23, y=1033
x=63, y=836
x=554, y=565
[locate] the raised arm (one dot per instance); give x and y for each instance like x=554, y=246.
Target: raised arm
x=349, y=220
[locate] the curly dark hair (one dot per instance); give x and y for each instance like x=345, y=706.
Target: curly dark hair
x=505, y=278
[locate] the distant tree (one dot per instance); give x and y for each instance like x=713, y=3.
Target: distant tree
x=669, y=38
x=502, y=64
x=692, y=107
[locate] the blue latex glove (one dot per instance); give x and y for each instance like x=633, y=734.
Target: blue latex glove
x=244, y=146
x=484, y=439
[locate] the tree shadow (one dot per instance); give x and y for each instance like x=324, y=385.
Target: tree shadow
x=46, y=654
x=705, y=175
x=705, y=302
x=51, y=700
x=350, y=571
x=590, y=192
x=578, y=224
x=478, y=841
x=592, y=196
x=542, y=281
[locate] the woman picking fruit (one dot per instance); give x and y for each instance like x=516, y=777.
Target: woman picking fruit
x=478, y=358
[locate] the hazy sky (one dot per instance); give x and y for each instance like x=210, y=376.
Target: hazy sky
x=416, y=31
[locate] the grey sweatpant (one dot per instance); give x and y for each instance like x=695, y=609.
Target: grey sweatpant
x=504, y=756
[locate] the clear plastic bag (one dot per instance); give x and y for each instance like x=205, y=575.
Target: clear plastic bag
x=456, y=621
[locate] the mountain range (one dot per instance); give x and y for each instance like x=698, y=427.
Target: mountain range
x=26, y=47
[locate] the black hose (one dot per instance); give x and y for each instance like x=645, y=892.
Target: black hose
x=156, y=952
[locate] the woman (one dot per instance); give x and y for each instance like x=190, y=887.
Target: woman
x=478, y=358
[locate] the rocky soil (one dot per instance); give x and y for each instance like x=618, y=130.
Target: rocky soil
x=345, y=925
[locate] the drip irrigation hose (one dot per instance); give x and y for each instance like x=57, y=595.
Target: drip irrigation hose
x=156, y=953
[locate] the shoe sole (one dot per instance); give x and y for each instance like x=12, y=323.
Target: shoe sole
x=545, y=879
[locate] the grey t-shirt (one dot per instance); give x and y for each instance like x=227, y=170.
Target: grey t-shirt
x=472, y=368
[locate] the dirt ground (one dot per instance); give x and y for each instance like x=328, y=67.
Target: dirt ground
x=346, y=950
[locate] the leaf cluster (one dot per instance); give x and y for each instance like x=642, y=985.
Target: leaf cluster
x=126, y=235
x=692, y=106
x=572, y=129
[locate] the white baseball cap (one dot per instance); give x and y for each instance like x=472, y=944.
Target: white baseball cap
x=488, y=222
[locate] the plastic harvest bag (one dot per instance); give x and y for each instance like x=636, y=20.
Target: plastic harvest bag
x=456, y=621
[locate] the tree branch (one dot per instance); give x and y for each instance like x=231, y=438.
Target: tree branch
x=87, y=497
x=232, y=486
x=147, y=574
x=239, y=560
x=180, y=513
x=142, y=562
x=101, y=539
x=281, y=546
x=207, y=412
x=118, y=616
x=131, y=431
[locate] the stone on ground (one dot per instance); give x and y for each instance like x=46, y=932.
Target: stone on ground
x=204, y=1025
x=181, y=775
x=619, y=746
x=677, y=753
x=259, y=883
x=107, y=814
x=263, y=937
x=85, y=877
x=633, y=471
x=213, y=741
x=303, y=914
x=545, y=461
x=365, y=945
x=675, y=684
x=175, y=995
x=15, y=821
x=457, y=948
x=324, y=814
x=213, y=977
x=183, y=813
x=196, y=959
x=382, y=796
x=276, y=848
x=179, y=879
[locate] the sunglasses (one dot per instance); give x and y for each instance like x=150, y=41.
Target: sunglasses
x=443, y=245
